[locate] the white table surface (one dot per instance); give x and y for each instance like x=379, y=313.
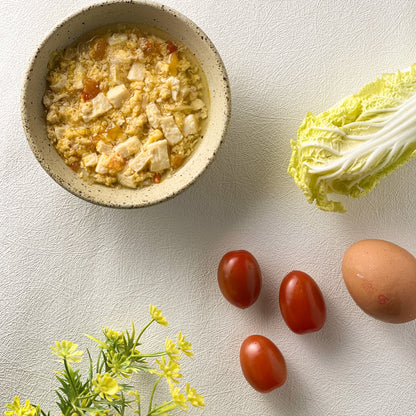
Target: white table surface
x=69, y=267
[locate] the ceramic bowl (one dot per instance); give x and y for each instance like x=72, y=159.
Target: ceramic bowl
x=86, y=20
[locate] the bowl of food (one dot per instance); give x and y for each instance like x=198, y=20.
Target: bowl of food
x=125, y=104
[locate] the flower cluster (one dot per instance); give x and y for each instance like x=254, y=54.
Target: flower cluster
x=105, y=390
x=16, y=409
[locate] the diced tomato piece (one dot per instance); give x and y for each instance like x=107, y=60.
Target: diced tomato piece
x=74, y=166
x=176, y=160
x=99, y=49
x=171, y=47
x=157, y=178
x=148, y=46
x=91, y=89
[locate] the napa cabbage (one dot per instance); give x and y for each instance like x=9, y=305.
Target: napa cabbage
x=349, y=148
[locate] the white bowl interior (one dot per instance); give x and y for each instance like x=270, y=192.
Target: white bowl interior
x=87, y=20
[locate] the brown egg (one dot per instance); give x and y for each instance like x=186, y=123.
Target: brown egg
x=381, y=278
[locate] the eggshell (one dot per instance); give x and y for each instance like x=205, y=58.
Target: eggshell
x=381, y=278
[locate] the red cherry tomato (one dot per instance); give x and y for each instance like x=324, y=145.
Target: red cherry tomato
x=262, y=363
x=301, y=303
x=239, y=278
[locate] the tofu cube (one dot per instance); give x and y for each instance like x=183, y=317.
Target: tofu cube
x=159, y=156
x=174, y=85
x=100, y=105
x=78, y=77
x=60, y=132
x=116, y=73
x=104, y=148
x=198, y=104
x=137, y=72
x=90, y=160
x=120, y=56
x=129, y=147
x=140, y=161
x=170, y=130
x=190, y=125
x=127, y=180
x=153, y=115
x=117, y=38
x=102, y=165
x=117, y=95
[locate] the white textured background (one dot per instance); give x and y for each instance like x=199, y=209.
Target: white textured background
x=69, y=267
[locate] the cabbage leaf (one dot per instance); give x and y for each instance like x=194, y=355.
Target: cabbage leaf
x=349, y=148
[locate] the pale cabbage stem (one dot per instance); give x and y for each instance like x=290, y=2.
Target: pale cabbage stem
x=396, y=134
x=380, y=123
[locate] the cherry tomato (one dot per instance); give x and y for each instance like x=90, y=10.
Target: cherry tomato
x=301, y=303
x=262, y=363
x=239, y=278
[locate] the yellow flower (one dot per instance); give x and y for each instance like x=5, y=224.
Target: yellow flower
x=106, y=386
x=67, y=350
x=171, y=349
x=157, y=315
x=178, y=397
x=119, y=364
x=95, y=413
x=136, y=394
x=18, y=410
x=170, y=369
x=184, y=345
x=114, y=337
x=194, y=398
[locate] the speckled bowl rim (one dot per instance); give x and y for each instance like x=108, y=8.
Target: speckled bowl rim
x=164, y=197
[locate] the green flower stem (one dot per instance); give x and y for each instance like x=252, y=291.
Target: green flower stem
x=165, y=407
x=142, y=331
x=139, y=409
x=100, y=364
x=73, y=387
x=156, y=354
x=124, y=402
x=153, y=393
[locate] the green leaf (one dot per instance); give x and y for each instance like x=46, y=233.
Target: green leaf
x=101, y=343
